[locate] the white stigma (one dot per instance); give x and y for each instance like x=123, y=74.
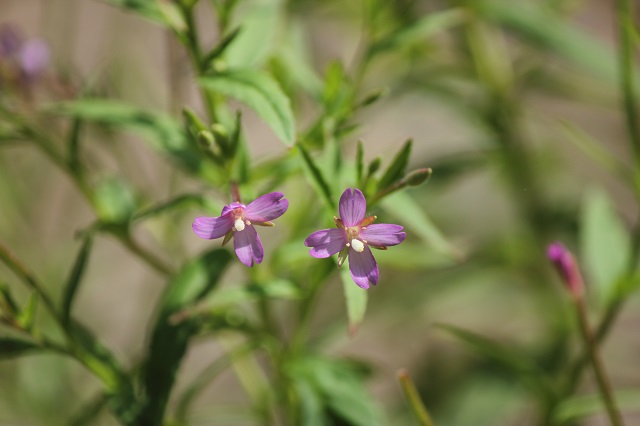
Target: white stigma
x=238, y=225
x=357, y=245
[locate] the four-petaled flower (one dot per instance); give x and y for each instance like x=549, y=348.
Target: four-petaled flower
x=236, y=221
x=353, y=236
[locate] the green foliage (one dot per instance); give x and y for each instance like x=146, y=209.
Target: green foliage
x=356, y=299
x=10, y=347
x=605, y=245
x=261, y=93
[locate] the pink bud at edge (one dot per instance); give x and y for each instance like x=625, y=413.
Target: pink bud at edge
x=566, y=266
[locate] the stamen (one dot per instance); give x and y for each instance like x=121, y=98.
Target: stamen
x=239, y=225
x=357, y=245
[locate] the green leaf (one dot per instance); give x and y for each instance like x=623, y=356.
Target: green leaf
x=273, y=289
x=217, y=51
x=169, y=341
x=162, y=132
x=340, y=384
x=146, y=8
x=10, y=347
x=356, y=299
x=317, y=179
x=114, y=201
x=550, y=32
x=359, y=163
x=605, y=244
x=258, y=28
x=311, y=404
x=27, y=317
x=168, y=206
x=424, y=28
x=75, y=278
x=410, y=215
x=511, y=360
x=397, y=168
x=572, y=410
x=261, y=93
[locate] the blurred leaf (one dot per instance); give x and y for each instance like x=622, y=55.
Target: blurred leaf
x=581, y=407
x=220, y=48
x=169, y=341
x=605, y=244
x=359, y=163
x=114, y=201
x=147, y=8
x=261, y=93
x=163, y=132
x=425, y=27
x=545, y=30
x=397, y=168
x=275, y=288
x=7, y=303
x=593, y=149
x=73, y=283
x=411, y=216
x=167, y=206
x=414, y=256
x=311, y=404
x=356, y=299
x=511, y=360
x=10, y=347
x=340, y=385
x=28, y=315
x=318, y=180
x=258, y=28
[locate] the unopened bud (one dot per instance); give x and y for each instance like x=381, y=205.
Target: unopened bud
x=567, y=267
x=374, y=96
x=205, y=138
x=417, y=177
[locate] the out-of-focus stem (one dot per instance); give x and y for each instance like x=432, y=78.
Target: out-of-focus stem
x=624, y=16
x=604, y=384
x=411, y=393
x=21, y=271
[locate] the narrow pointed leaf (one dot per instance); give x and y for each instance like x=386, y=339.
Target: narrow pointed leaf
x=574, y=409
x=28, y=315
x=169, y=341
x=398, y=167
x=259, y=92
x=75, y=278
x=360, y=163
x=318, y=180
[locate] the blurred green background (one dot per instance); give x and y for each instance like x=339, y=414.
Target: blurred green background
x=504, y=101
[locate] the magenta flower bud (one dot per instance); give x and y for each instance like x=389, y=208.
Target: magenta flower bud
x=566, y=266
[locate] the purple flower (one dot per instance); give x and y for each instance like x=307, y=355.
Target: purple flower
x=353, y=237
x=566, y=265
x=236, y=221
x=34, y=57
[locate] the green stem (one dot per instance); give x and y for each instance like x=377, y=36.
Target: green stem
x=604, y=384
x=624, y=15
x=411, y=393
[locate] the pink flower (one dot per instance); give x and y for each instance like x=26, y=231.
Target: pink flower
x=353, y=236
x=237, y=221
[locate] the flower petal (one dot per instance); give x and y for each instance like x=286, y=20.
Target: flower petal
x=352, y=207
x=326, y=242
x=230, y=207
x=212, y=227
x=363, y=268
x=248, y=246
x=383, y=234
x=267, y=207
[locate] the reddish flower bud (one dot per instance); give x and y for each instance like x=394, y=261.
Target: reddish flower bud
x=566, y=266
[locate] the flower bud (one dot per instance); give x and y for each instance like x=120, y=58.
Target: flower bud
x=417, y=177
x=567, y=267
x=205, y=138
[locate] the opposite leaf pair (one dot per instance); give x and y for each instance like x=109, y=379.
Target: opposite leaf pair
x=352, y=238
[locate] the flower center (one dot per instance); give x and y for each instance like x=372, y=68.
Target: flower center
x=352, y=237
x=357, y=245
x=238, y=224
